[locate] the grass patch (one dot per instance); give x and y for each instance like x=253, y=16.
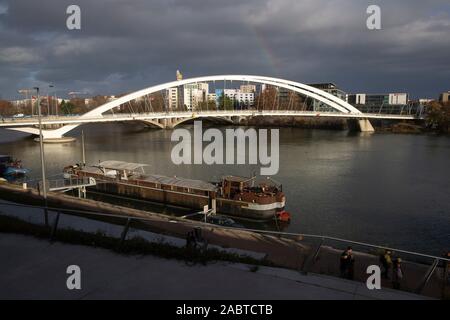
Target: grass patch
x=133, y=246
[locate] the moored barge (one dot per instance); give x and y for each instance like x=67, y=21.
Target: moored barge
x=235, y=196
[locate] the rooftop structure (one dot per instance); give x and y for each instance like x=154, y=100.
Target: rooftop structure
x=330, y=88
x=444, y=97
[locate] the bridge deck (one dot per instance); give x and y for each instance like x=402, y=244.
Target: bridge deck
x=61, y=120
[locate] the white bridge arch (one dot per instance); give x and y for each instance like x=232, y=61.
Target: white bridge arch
x=330, y=100
x=304, y=89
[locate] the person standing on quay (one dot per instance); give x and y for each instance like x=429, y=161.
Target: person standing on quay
x=397, y=274
x=386, y=261
x=347, y=264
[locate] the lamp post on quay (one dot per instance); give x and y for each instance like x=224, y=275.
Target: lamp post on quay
x=41, y=147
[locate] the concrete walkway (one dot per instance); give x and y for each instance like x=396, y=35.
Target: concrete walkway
x=35, y=269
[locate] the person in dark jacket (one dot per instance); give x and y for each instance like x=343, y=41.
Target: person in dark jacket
x=397, y=274
x=347, y=262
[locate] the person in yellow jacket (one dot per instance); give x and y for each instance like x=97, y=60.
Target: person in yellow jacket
x=386, y=262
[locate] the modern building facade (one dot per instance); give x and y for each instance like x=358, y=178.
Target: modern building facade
x=195, y=93
x=378, y=99
x=398, y=98
x=330, y=88
x=212, y=97
x=172, y=96
x=248, y=88
x=444, y=97
x=236, y=95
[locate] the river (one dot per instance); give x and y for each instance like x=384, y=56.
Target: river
x=387, y=189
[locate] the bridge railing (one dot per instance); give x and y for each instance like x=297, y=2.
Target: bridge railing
x=200, y=113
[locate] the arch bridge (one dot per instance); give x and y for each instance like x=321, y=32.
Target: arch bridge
x=329, y=106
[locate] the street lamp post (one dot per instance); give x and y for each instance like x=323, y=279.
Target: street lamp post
x=41, y=146
x=48, y=101
x=56, y=103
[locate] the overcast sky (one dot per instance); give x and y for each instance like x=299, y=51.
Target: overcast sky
x=125, y=45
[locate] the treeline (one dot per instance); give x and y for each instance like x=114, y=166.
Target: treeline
x=438, y=117
x=50, y=106
x=7, y=108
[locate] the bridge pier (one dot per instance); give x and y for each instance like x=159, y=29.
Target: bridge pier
x=361, y=125
x=50, y=136
x=167, y=123
x=365, y=125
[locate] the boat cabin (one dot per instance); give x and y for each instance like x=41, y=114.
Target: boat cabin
x=232, y=185
x=121, y=170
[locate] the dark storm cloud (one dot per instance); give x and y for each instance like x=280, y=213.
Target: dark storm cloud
x=126, y=45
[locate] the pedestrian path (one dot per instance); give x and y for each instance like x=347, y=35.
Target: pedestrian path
x=36, y=269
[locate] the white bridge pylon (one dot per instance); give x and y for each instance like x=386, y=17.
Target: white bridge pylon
x=308, y=91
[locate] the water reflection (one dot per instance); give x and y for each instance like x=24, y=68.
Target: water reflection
x=381, y=188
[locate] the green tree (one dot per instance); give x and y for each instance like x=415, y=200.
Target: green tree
x=67, y=107
x=438, y=116
x=207, y=106
x=228, y=104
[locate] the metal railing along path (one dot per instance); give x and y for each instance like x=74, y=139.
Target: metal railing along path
x=128, y=219
x=270, y=232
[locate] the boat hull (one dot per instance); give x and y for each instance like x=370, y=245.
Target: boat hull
x=11, y=171
x=239, y=209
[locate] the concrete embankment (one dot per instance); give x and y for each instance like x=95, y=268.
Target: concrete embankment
x=281, y=252
x=288, y=252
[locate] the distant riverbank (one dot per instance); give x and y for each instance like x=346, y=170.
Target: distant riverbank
x=393, y=126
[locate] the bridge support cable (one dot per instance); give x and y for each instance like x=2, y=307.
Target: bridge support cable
x=290, y=102
x=150, y=102
x=263, y=98
x=381, y=108
x=223, y=93
x=207, y=100
x=165, y=98
x=214, y=90
x=274, y=100
x=131, y=107
x=147, y=108
x=278, y=98
x=305, y=103
x=141, y=106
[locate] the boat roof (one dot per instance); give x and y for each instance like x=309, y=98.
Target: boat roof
x=121, y=165
x=179, y=182
x=154, y=178
x=237, y=179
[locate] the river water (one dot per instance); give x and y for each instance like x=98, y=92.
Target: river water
x=386, y=189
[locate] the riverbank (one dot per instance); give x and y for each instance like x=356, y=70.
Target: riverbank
x=282, y=252
x=296, y=122
x=383, y=126
x=292, y=252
